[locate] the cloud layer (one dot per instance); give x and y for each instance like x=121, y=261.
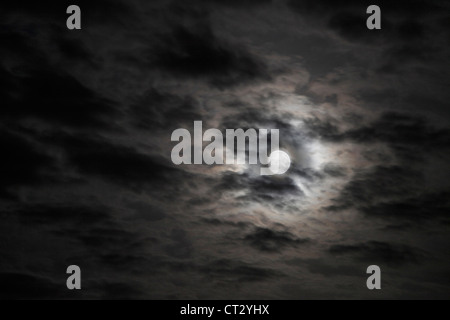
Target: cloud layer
x=87, y=179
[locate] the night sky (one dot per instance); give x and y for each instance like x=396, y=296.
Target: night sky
x=87, y=178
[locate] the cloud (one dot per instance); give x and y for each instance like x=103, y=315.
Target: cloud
x=73, y=49
x=352, y=26
x=266, y=186
x=327, y=269
x=70, y=103
x=123, y=261
x=268, y=240
x=28, y=74
x=106, y=237
x=70, y=215
x=85, y=138
x=401, y=7
x=401, y=42
x=93, y=13
x=334, y=170
x=235, y=271
x=425, y=208
x=182, y=247
x=160, y=110
x=26, y=286
x=144, y=211
x=220, y=223
x=380, y=253
x=378, y=183
x=404, y=134
x=198, y=53
x=118, y=291
x=396, y=128
x=23, y=164
x=120, y=164
x=271, y=189
x=240, y=3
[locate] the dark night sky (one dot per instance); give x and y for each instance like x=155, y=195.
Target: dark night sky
x=87, y=178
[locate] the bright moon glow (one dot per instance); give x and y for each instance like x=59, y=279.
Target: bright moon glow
x=319, y=155
x=280, y=162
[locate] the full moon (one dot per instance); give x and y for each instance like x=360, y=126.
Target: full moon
x=280, y=162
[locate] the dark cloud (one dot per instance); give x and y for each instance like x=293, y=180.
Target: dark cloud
x=401, y=130
x=256, y=117
x=262, y=188
x=379, y=183
x=352, y=26
x=265, y=186
x=103, y=239
x=182, y=247
x=402, y=37
x=198, y=53
x=159, y=110
x=230, y=181
x=26, y=286
x=310, y=174
x=234, y=271
x=73, y=49
x=411, y=29
x=65, y=214
x=325, y=268
x=269, y=240
x=70, y=103
x=40, y=57
x=85, y=143
x=122, y=261
x=93, y=13
x=333, y=99
x=380, y=253
x=218, y=271
x=405, y=134
x=334, y=170
x=324, y=129
x=120, y=164
x=145, y=211
x=118, y=291
x=239, y=3
x=402, y=7
x=22, y=163
x=91, y=225
x=220, y=223
x=423, y=100
x=425, y=208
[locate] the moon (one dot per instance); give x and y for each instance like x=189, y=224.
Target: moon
x=280, y=162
